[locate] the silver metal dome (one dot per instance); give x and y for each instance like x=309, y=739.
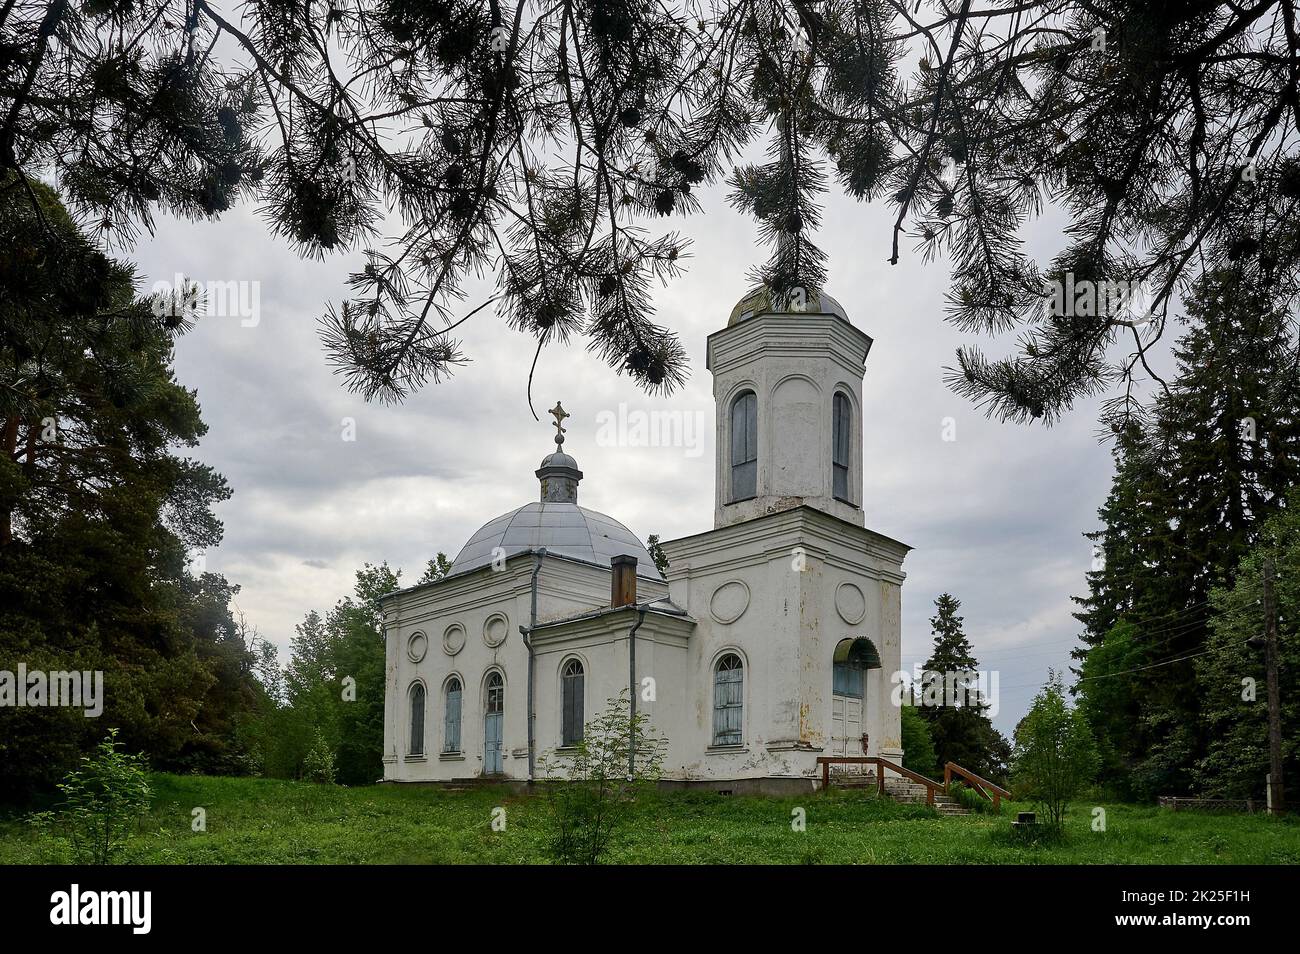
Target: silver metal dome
x=558, y=459
x=565, y=529
x=758, y=301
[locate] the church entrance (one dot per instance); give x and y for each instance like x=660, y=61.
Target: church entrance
x=846, y=711
x=492, y=715
x=853, y=657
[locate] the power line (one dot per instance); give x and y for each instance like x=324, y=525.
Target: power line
x=1177, y=630
x=1125, y=672
x=1167, y=662
x=1181, y=626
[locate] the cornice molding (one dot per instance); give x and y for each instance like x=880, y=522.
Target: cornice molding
x=779, y=533
x=663, y=628
x=788, y=336
x=561, y=577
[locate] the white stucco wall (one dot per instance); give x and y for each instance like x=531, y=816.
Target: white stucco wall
x=788, y=625
x=781, y=580
x=485, y=606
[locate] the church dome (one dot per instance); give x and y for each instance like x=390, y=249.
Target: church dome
x=559, y=459
x=556, y=522
x=564, y=529
x=758, y=301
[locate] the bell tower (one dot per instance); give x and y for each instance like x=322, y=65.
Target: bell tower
x=787, y=389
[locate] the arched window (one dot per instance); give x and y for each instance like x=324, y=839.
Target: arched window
x=573, y=717
x=494, y=705
x=842, y=420
x=744, y=446
x=496, y=693
x=728, y=700
x=451, y=717
x=417, y=719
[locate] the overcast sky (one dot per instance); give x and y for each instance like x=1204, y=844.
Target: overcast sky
x=995, y=516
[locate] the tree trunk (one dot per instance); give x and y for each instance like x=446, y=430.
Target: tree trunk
x=8, y=443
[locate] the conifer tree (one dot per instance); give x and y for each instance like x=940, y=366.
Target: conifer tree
x=99, y=511
x=952, y=651
x=959, y=726
x=1231, y=678
x=554, y=144
x=1194, y=481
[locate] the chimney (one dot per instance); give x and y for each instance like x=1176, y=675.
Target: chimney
x=622, y=580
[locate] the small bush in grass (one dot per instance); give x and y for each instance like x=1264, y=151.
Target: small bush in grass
x=590, y=789
x=318, y=765
x=1032, y=836
x=104, y=799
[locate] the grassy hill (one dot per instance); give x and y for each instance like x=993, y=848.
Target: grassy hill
x=251, y=821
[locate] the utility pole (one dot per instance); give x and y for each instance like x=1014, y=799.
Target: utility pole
x=1276, y=798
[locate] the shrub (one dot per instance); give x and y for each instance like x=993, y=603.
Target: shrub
x=318, y=765
x=971, y=800
x=103, y=801
x=1017, y=836
x=591, y=790
x=1055, y=756
x=918, y=745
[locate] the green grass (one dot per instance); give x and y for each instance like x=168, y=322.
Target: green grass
x=252, y=821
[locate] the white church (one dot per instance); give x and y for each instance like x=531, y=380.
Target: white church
x=770, y=641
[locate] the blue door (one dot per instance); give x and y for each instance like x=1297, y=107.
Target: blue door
x=492, y=725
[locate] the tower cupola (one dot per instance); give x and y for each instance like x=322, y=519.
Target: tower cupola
x=787, y=386
x=559, y=474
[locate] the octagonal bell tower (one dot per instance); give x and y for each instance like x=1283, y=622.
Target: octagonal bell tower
x=787, y=388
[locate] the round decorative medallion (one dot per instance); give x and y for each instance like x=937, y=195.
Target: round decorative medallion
x=729, y=602
x=453, y=639
x=495, y=629
x=850, y=603
x=417, y=646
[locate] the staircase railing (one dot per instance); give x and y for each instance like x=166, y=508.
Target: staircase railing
x=995, y=793
x=990, y=790
x=826, y=761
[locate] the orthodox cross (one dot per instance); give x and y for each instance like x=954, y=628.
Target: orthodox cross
x=559, y=413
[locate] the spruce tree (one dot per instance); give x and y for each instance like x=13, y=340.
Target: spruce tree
x=1230, y=676
x=959, y=727
x=1194, y=481
x=952, y=651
